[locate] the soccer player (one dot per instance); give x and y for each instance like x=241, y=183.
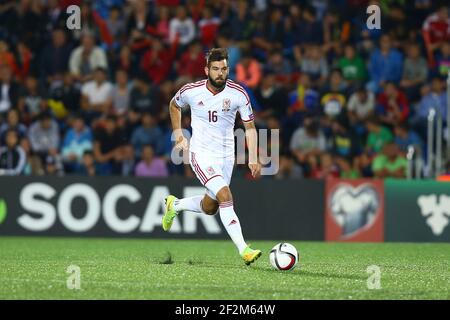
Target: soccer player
x=214, y=103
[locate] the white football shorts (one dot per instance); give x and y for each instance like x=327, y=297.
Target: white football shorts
x=213, y=173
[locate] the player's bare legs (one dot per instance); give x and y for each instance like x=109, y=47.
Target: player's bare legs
x=209, y=205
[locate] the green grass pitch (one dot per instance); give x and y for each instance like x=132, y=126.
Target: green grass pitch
x=36, y=268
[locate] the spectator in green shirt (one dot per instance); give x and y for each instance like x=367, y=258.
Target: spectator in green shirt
x=378, y=136
x=346, y=169
x=389, y=164
x=352, y=66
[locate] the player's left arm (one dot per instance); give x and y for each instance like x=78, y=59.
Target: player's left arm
x=246, y=112
x=252, y=143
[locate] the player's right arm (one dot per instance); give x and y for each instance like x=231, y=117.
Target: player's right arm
x=175, y=118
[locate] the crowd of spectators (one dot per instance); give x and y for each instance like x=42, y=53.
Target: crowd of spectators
x=348, y=100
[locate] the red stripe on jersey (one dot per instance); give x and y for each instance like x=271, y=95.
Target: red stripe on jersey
x=240, y=87
x=240, y=90
x=191, y=86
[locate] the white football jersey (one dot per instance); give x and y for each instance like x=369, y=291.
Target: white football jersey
x=213, y=116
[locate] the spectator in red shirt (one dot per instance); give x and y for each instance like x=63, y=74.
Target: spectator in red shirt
x=436, y=30
x=7, y=57
x=392, y=105
x=156, y=62
x=208, y=26
x=192, y=62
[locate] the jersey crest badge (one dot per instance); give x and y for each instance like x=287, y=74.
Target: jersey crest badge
x=226, y=105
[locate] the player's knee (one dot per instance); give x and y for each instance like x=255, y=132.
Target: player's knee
x=224, y=195
x=210, y=208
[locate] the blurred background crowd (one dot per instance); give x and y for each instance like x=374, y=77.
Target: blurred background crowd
x=347, y=100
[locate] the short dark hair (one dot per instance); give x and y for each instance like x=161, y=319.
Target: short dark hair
x=216, y=54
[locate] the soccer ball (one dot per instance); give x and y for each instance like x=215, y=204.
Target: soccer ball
x=283, y=256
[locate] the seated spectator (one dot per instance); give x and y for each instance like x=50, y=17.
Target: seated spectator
x=54, y=166
x=24, y=61
x=12, y=123
x=89, y=167
x=55, y=56
x=12, y=156
x=307, y=143
x=64, y=94
x=241, y=25
x=405, y=137
x=269, y=33
x=144, y=97
x=272, y=99
x=436, y=30
x=127, y=161
x=116, y=25
x=157, y=61
x=392, y=105
x=334, y=95
x=315, y=65
x=436, y=99
x=248, y=71
x=192, y=62
x=443, y=60
x=77, y=141
x=44, y=136
x=9, y=90
x=181, y=26
x=120, y=94
x=208, y=26
x=107, y=142
x=378, y=136
x=7, y=58
x=415, y=72
x=323, y=167
x=361, y=105
x=87, y=58
x=390, y=163
x=162, y=24
x=304, y=100
x=279, y=66
x=33, y=165
x=95, y=99
x=385, y=65
x=309, y=29
x=352, y=66
x=347, y=171
x=148, y=134
x=151, y=166
x=33, y=98
x=343, y=142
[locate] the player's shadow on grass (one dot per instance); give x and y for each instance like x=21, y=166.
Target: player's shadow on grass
x=305, y=273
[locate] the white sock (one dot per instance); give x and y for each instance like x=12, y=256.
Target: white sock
x=232, y=224
x=191, y=204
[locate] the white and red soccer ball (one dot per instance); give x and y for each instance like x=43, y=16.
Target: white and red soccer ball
x=284, y=256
